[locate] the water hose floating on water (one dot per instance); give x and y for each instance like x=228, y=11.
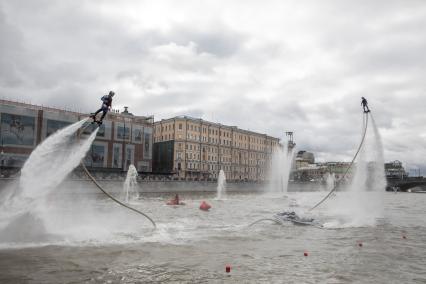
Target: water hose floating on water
x=265, y=219
x=112, y=197
x=350, y=166
x=290, y=217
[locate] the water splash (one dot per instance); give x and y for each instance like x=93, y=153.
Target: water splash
x=46, y=168
x=330, y=181
x=221, y=186
x=53, y=160
x=279, y=172
x=130, y=191
x=362, y=203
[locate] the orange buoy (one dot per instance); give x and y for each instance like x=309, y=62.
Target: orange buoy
x=205, y=206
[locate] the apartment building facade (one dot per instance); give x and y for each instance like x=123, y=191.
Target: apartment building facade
x=122, y=139
x=194, y=149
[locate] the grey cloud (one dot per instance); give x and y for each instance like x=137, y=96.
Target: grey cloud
x=220, y=40
x=67, y=53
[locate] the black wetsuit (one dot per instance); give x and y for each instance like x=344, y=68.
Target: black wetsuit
x=364, y=104
x=107, y=101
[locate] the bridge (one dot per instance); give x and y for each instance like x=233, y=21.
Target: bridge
x=405, y=184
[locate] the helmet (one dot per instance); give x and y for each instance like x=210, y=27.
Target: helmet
x=111, y=93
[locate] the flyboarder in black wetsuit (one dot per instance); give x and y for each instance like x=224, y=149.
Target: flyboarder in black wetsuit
x=106, y=106
x=364, y=104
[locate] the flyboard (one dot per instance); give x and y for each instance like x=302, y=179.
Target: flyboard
x=93, y=116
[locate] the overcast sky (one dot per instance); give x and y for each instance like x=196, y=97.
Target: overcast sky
x=267, y=66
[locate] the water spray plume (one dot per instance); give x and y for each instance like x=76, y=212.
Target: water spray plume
x=50, y=163
x=330, y=181
x=362, y=203
x=46, y=168
x=130, y=191
x=221, y=186
x=365, y=125
x=279, y=172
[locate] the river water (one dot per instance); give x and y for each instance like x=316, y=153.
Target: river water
x=87, y=238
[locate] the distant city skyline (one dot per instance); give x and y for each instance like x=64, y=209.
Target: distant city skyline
x=268, y=67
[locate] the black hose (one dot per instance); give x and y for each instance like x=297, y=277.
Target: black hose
x=265, y=219
x=113, y=198
x=110, y=196
x=347, y=170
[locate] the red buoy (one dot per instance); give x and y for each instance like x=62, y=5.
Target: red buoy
x=205, y=206
x=228, y=269
x=360, y=244
x=305, y=253
x=404, y=237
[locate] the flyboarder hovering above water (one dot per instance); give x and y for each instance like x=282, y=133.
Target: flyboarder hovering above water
x=364, y=104
x=106, y=106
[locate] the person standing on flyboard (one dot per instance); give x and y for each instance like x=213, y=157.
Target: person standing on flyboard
x=364, y=104
x=106, y=106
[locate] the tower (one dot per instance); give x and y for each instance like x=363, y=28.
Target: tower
x=291, y=144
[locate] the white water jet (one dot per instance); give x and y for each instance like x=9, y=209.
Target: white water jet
x=279, y=172
x=330, y=181
x=362, y=203
x=130, y=191
x=48, y=165
x=221, y=186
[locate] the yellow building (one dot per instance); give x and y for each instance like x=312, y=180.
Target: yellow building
x=195, y=149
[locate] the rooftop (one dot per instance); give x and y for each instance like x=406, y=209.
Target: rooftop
x=200, y=120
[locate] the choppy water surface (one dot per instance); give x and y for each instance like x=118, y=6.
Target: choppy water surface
x=87, y=238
